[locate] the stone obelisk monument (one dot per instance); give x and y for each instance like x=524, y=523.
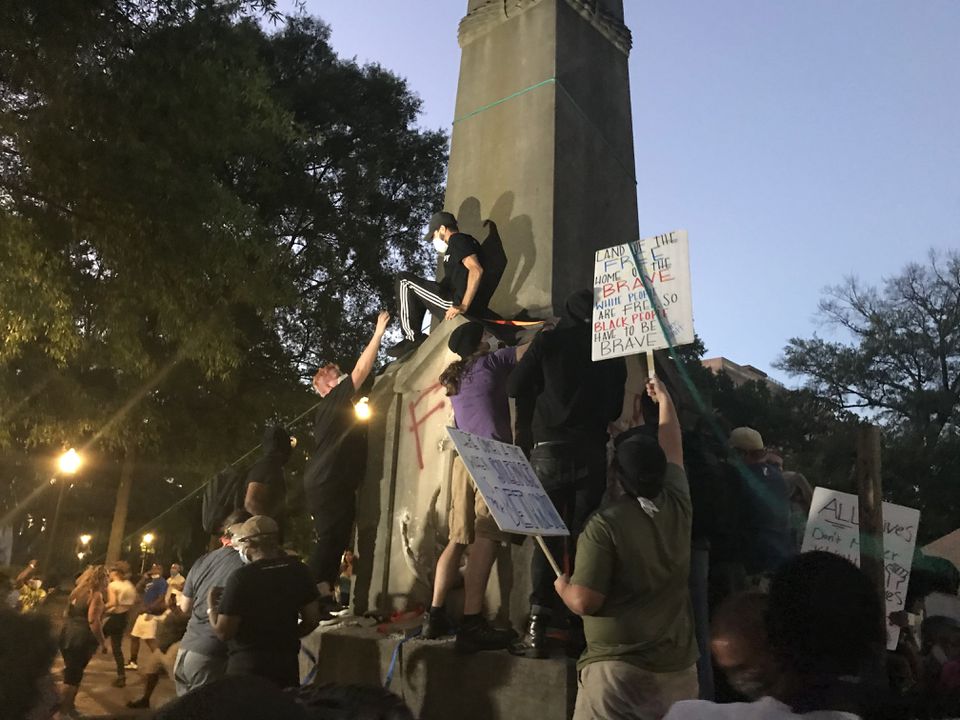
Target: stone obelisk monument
x=542, y=146
x=542, y=141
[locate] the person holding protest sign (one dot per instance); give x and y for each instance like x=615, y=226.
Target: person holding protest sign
x=454, y=294
x=477, y=387
x=331, y=476
x=630, y=582
x=574, y=401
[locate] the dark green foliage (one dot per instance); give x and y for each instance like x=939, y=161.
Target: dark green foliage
x=193, y=208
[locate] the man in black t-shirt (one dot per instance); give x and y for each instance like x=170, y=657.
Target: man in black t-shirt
x=335, y=467
x=454, y=294
x=266, y=492
x=265, y=608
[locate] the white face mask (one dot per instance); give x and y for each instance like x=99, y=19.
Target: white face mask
x=440, y=244
x=244, y=557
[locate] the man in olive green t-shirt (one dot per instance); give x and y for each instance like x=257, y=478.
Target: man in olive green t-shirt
x=630, y=583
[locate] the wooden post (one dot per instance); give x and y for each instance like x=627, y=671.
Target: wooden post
x=546, y=551
x=651, y=366
x=871, y=508
x=120, y=508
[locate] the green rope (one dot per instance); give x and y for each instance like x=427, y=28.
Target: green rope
x=698, y=400
x=193, y=493
x=501, y=101
x=589, y=121
x=576, y=106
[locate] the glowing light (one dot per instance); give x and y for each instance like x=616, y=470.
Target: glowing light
x=362, y=408
x=69, y=462
x=148, y=539
x=85, y=539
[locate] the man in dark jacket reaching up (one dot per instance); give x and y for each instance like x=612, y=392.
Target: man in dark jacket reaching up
x=575, y=399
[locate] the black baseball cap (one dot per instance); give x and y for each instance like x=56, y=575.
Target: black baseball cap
x=437, y=219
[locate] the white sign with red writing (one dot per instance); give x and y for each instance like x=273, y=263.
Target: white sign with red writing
x=509, y=486
x=625, y=318
x=834, y=525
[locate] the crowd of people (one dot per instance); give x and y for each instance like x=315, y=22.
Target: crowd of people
x=683, y=593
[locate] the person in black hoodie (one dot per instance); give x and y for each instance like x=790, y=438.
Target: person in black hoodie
x=266, y=485
x=575, y=400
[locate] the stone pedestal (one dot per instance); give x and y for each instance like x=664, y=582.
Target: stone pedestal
x=438, y=684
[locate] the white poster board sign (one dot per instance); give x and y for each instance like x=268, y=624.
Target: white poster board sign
x=509, y=486
x=834, y=525
x=624, y=316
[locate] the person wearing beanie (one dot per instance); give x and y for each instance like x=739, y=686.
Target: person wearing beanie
x=574, y=401
x=455, y=293
x=630, y=582
x=476, y=384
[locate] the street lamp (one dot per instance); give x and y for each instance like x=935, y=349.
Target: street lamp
x=146, y=548
x=362, y=409
x=83, y=548
x=67, y=464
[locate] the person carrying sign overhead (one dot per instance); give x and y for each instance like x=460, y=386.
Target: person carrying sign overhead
x=455, y=293
x=630, y=582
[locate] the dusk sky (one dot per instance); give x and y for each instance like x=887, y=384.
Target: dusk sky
x=797, y=142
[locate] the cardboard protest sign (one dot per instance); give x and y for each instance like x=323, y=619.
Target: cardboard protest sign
x=624, y=316
x=509, y=486
x=834, y=525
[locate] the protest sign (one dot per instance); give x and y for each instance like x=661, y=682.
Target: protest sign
x=624, y=316
x=834, y=525
x=509, y=486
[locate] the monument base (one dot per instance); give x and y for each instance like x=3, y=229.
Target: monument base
x=437, y=683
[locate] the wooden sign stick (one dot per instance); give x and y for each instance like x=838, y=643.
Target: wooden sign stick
x=651, y=368
x=550, y=558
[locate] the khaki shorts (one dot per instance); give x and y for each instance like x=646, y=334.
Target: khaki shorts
x=617, y=690
x=469, y=515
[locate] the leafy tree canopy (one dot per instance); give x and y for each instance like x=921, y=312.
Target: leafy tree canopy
x=193, y=209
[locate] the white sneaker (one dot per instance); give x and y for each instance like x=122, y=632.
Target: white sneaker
x=130, y=666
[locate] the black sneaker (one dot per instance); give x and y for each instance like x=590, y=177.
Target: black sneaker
x=480, y=636
x=534, y=642
x=435, y=626
x=405, y=346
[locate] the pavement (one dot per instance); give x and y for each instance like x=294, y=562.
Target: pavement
x=97, y=697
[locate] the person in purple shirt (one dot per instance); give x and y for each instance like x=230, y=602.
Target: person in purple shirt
x=477, y=387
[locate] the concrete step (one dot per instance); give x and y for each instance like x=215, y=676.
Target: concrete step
x=438, y=683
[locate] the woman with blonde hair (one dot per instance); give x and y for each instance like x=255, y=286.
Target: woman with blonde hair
x=82, y=631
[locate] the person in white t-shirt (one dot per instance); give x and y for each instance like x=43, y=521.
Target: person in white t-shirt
x=825, y=636
x=121, y=597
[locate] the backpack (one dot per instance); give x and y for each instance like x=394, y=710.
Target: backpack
x=223, y=494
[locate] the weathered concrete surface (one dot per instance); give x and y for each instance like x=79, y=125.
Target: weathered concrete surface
x=542, y=141
x=439, y=684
